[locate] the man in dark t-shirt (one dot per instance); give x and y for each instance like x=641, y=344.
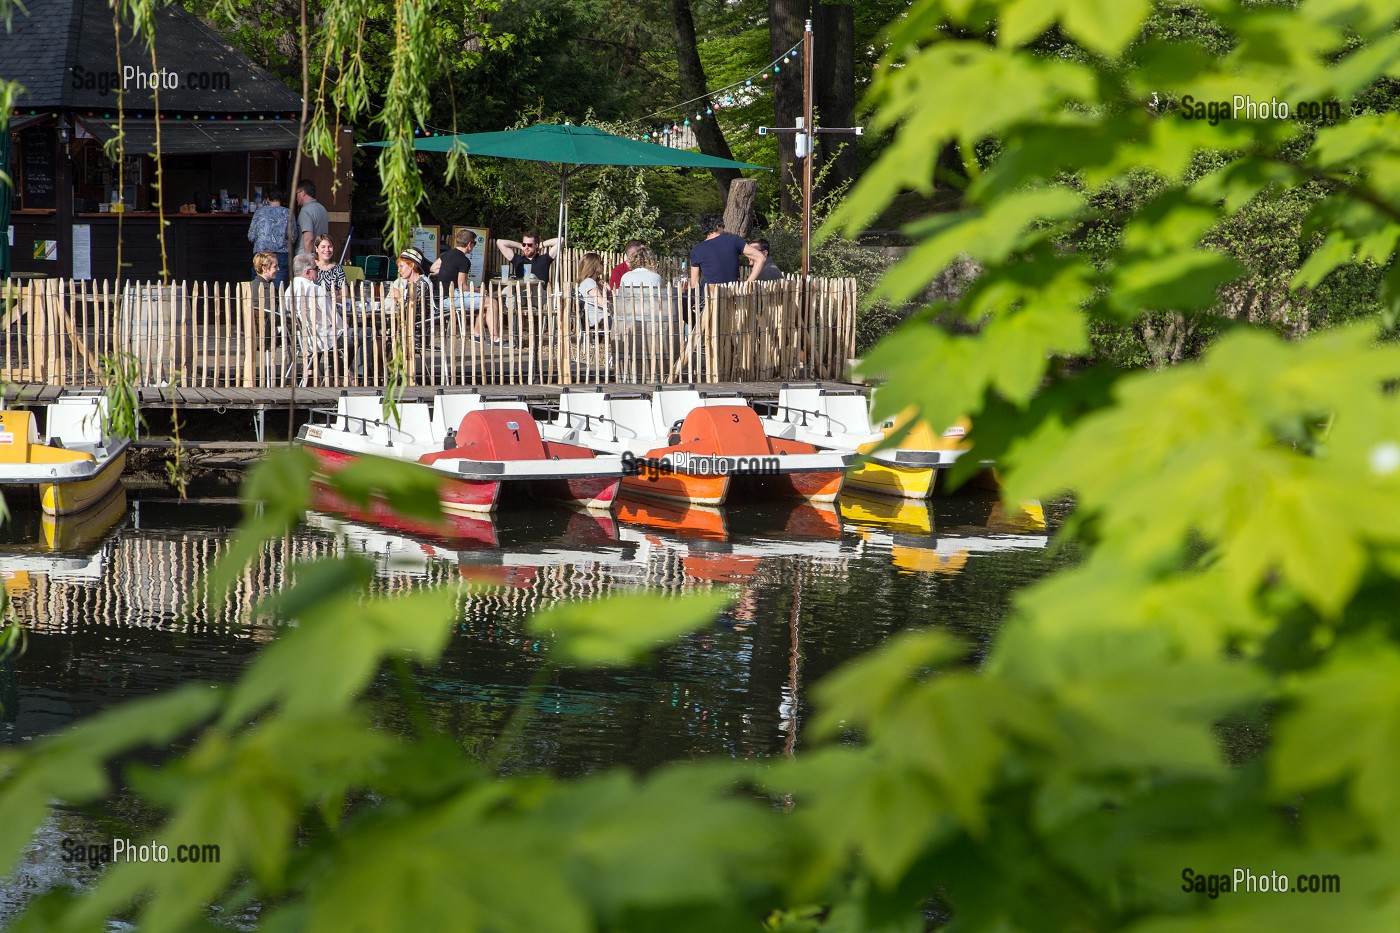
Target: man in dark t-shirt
x=455, y=267
x=715, y=259
x=532, y=251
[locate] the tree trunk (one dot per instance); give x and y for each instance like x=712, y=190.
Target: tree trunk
x=738, y=212
x=834, y=36
x=785, y=24
x=692, y=75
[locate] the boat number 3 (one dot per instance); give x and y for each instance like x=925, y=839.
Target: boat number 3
x=736, y=418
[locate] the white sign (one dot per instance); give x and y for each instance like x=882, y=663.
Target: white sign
x=426, y=241
x=82, y=251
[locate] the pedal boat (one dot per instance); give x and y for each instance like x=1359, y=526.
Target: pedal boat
x=75, y=467
x=839, y=418
x=481, y=448
x=697, y=448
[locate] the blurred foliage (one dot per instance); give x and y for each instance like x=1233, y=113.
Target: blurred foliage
x=1239, y=564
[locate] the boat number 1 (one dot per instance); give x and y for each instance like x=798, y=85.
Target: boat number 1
x=514, y=429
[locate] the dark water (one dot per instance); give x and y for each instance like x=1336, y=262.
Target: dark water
x=103, y=600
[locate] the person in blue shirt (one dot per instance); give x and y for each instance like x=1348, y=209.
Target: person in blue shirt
x=269, y=231
x=715, y=259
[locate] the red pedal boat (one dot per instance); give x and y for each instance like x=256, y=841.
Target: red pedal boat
x=481, y=448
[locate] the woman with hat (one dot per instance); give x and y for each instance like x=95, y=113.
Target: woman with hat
x=412, y=283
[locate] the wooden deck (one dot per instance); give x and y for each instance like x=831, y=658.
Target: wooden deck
x=21, y=395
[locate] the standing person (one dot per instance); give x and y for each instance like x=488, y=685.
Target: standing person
x=770, y=271
x=628, y=253
x=311, y=219
x=268, y=231
x=715, y=259
x=530, y=251
x=454, y=270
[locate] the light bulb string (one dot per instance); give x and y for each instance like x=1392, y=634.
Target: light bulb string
x=743, y=82
x=681, y=107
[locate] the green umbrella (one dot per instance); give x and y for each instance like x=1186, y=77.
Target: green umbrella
x=569, y=148
x=6, y=193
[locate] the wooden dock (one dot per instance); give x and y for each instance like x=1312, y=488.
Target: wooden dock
x=300, y=402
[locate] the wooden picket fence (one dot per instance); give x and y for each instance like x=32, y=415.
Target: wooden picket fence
x=212, y=335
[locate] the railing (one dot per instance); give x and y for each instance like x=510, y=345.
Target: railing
x=240, y=336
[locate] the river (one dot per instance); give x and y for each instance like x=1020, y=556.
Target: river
x=103, y=600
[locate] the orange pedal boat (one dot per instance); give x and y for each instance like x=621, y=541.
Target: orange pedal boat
x=692, y=447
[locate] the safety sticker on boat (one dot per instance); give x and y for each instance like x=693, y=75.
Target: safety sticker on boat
x=956, y=430
x=7, y=437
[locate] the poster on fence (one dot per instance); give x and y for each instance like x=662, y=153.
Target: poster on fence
x=477, y=253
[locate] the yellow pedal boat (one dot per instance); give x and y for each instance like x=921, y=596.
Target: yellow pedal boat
x=75, y=467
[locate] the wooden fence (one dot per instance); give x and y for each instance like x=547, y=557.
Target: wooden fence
x=241, y=336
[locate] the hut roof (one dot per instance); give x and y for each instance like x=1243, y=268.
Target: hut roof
x=64, y=53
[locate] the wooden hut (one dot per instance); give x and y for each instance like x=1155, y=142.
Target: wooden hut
x=227, y=132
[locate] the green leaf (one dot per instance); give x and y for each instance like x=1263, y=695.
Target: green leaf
x=1336, y=250
x=275, y=496
x=621, y=630
x=859, y=694
x=1104, y=26
x=348, y=639
x=1359, y=686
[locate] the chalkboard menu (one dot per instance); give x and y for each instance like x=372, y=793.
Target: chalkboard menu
x=36, y=151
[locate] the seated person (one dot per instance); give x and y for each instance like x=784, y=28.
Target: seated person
x=529, y=258
x=265, y=267
x=453, y=271
x=330, y=274
x=319, y=325
x=619, y=270
x=411, y=286
x=642, y=271
x=592, y=300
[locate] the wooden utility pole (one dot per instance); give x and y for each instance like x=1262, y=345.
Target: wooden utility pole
x=806, y=133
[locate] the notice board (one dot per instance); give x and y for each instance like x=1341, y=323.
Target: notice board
x=38, y=167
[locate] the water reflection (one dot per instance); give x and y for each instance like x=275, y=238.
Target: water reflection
x=105, y=602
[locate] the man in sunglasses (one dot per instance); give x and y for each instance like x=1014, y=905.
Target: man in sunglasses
x=529, y=258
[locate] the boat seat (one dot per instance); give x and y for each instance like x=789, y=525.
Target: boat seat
x=848, y=411
x=672, y=405
x=76, y=420
x=801, y=404
x=415, y=424
x=632, y=417
x=727, y=430
x=449, y=410
x=358, y=414
x=592, y=403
